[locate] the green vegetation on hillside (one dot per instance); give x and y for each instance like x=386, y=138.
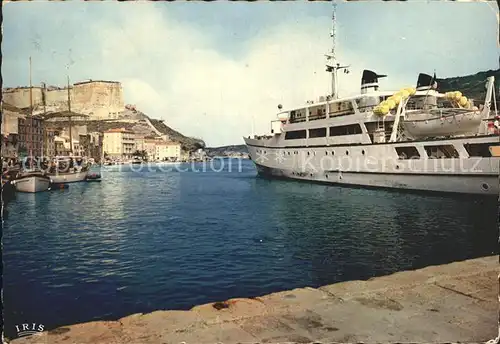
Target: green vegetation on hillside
x=472, y=86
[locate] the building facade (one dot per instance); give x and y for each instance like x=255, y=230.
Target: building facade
x=168, y=151
x=30, y=136
x=60, y=146
x=10, y=130
x=49, y=143
x=119, y=143
x=96, y=146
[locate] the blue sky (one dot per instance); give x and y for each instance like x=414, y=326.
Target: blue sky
x=216, y=70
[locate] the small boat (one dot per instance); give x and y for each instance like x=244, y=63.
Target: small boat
x=58, y=186
x=68, y=177
x=65, y=170
x=136, y=161
x=168, y=163
x=32, y=182
x=94, y=177
x=441, y=123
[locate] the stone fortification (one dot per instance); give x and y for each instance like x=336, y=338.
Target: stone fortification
x=96, y=98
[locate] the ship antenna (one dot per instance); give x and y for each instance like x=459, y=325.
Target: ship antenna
x=331, y=64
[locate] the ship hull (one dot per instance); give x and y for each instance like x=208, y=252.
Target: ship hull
x=466, y=184
x=32, y=183
x=372, y=166
x=68, y=177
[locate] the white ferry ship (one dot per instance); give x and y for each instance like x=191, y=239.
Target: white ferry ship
x=415, y=139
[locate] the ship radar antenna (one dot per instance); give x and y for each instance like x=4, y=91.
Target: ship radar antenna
x=331, y=60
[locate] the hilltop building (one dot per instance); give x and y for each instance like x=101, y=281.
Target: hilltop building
x=99, y=99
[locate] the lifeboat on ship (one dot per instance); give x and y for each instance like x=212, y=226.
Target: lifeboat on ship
x=459, y=117
x=442, y=122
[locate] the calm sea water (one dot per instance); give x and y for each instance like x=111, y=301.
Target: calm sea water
x=143, y=241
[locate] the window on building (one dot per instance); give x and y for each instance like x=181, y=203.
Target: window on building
x=294, y=135
x=351, y=129
x=317, y=132
x=478, y=149
x=408, y=152
x=441, y=152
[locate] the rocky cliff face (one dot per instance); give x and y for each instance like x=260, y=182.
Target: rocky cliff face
x=139, y=123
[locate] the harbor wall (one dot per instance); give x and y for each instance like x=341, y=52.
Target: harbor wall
x=456, y=302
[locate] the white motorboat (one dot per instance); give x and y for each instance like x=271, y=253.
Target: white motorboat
x=66, y=172
x=32, y=182
x=439, y=122
x=68, y=177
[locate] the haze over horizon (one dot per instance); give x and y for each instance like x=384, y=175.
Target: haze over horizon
x=215, y=70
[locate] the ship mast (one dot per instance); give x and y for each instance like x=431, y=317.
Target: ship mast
x=69, y=119
x=31, y=118
x=331, y=60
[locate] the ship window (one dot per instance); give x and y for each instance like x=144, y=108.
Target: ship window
x=351, y=129
x=297, y=134
x=408, y=152
x=318, y=132
x=478, y=149
x=441, y=152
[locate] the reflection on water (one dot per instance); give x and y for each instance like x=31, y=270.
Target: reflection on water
x=141, y=241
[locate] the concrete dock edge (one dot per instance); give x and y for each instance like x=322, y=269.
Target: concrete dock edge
x=456, y=302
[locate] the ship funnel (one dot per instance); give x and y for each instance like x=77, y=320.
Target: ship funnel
x=426, y=82
x=369, y=81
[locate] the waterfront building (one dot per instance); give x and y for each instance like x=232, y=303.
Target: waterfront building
x=60, y=147
x=63, y=148
x=30, y=135
x=168, y=150
x=119, y=143
x=84, y=146
x=95, y=146
x=10, y=130
x=49, y=145
x=139, y=142
x=149, y=146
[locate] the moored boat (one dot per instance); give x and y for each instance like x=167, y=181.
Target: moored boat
x=417, y=138
x=93, y=177
x=65, y=170
x=68, y=177
x=32, y=182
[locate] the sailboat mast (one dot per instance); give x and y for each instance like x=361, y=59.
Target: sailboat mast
x=30, y=142
x=69, y=117
x=44, y=93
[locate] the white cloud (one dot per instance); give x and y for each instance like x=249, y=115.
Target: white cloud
x=174, y=72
